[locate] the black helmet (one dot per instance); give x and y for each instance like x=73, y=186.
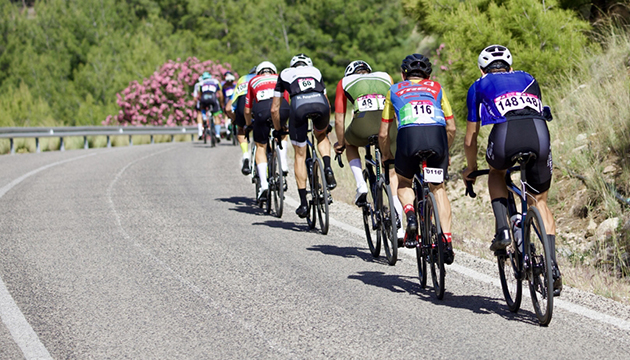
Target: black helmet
x=416, y=63
x=252, y=70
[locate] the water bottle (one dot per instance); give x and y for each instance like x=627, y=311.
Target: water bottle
x=515, y=220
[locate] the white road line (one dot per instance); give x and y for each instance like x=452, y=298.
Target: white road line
x=11, y=315
x=559, y=303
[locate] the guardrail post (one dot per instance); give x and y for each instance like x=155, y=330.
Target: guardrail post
x=130, y=140
x=85, y=143
x=61, y=145
x=36, y=144
x=152, y=142
x=192, y=137
x=12, y=147
x=109, y=142
x=172, y=138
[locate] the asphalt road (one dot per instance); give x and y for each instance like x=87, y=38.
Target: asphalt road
x=158, y=252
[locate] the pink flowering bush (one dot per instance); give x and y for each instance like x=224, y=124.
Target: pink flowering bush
x=166, y=97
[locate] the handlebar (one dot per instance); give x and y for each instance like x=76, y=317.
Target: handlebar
x=278, y=134
x=469, y=184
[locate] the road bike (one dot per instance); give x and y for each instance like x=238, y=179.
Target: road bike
x=379, y=214
x=275, y=175
x=317, y=193
x=432, y=245
x=528, y=257
x=208, y=129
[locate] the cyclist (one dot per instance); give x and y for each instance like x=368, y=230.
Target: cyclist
x=359, y=103
x=425, y=122
x=258, y=103
x=307, y=91
x=228, y=90
x=511, y=102
x=235, y=109
x=210, y=99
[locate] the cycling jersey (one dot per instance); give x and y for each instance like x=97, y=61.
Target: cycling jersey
x=362, y=92
x=241, y=88
x=208, y=86
x=417, y=103
x=496, y=97
x=228, y=91
x=261, y=88
x=259, y=98
x=300, y=80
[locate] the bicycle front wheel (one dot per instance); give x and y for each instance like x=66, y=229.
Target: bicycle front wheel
x=213, y=138
x=311, y=215
x=511, y=275
x=278, y=185
x=387, y=212
x=434, y=234
x=320, y=195
x=370, y=218
x=234, y=132
x=538, y=262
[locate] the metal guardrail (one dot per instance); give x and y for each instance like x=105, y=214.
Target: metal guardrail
x=85, y=131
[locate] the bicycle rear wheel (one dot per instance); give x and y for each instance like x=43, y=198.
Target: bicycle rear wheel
x=278, y=185
x=311, y=215
x=371, y=222
x=256, y=181
x=234, y=132
x=511, y=275
x=321, y=194
x=205, y=133
x=424, y=245
x=213, y=137
x=538, y=260
x=387, y=212
x=435, y=237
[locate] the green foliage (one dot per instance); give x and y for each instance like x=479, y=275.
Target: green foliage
x=544, y=40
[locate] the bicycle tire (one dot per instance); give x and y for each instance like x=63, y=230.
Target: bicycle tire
x=205, y=133
x=371, y=221
x=540, y=269
x=385, y=206
x=278, y=180
x=256, y=180
x=435, y=236
x=424, y=243
x=322, y=196
x=311, y=214
x=510, y=275
x=234, y=136
x=213, y=137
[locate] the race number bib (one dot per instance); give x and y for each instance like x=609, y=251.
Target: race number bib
x=372, y=102
x=208, y=88
x=242, y=87
x=306, y=84
x=264, y=95
x=517, y=101
x=228, y=93
x=433, y=175
x=418, y=112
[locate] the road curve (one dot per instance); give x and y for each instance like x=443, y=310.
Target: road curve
x=159, y=252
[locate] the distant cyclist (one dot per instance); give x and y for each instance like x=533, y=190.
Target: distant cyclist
x=235, y=109
x=511, y=102
x=258, y=105
x=228, y=90
x=425, y=122
x=210, y=100
x=359, y=103
x=306, y=88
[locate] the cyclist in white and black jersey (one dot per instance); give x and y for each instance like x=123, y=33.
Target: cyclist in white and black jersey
x=306, y=89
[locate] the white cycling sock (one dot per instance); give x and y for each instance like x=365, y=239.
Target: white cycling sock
x=283, y=156
x=200, y=128
x=357, y=171
x=262, y=174
x=398, y=206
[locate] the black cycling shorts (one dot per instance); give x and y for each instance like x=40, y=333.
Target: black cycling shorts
x=209, y=103
x=411, y=140
x=307, y=105
x=261, y=112
x=239, y=112
x=517, y=135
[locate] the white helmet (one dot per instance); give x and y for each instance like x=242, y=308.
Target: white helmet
x=494, y=53
x=229, y=77
x=301, y=58
x=266, y=65
x=356, y=66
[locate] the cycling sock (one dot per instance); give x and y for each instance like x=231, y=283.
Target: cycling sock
x=552, y=244
x=302, y=193
x=244, y=149
x=448, y=237
x=283, y=156
x=326, y=159
x=408, y=209
x=200, y=128
x=398, y=206
x=217, y=130
x=262, y=174
x=357, y=171
x=499, y=207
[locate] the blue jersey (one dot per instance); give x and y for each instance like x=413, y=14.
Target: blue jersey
x=496, y=97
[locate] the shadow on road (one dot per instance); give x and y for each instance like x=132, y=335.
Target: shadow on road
x=348, y=252
x=286, y=225
x=475, y=303
x=244, y=205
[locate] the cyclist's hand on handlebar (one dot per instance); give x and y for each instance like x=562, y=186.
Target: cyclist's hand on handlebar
x=339, y=148
x=465, y=174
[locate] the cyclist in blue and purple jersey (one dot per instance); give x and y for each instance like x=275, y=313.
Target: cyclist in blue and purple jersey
x=511, y=102
x=235, y=109
x=210, y=98
x=228, y=90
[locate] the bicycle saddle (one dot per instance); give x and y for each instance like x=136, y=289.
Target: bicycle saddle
x=373, y=140
x=425, y=154
x=523, y=157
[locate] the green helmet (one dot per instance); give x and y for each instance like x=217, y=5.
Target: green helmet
x=206, y=75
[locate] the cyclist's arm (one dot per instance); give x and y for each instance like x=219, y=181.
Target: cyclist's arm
x=450, y=119
x=340, y=113
x=472, y=132
x=278, y=93
x=228, y=110
x=383, y=133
